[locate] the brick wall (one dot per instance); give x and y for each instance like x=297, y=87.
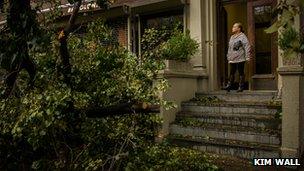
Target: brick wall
x=120, y=29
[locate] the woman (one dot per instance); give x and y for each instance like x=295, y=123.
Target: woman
x=238, y=54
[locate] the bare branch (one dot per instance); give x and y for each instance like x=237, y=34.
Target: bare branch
x=73, y=17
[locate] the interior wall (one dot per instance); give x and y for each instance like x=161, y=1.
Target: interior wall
x=236, y=13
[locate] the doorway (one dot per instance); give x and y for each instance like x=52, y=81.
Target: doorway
x=229, y=12
x=255, y=15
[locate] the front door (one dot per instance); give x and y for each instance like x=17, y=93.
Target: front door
x=255, y=15
x=222, y=63
x=262, y=68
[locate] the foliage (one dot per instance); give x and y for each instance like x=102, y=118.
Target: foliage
x=207, y=100
x=98, y=144
x=170, y=44
x=165, y=157
x=46, y=127
x=290, y=39
x=48, y=124
x=179, y=47
x=104, y=71
x=15, y=32
x=152, y=40
x=194, y=122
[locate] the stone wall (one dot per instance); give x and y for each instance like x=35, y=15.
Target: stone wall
x=183, y=82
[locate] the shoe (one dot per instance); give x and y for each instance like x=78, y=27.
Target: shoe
x=240, y=89
x=228, y=87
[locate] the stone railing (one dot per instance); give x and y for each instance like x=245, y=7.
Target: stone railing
x=183, y=82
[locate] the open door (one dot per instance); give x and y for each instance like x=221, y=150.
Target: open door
x=222, y=44
x=262, y=69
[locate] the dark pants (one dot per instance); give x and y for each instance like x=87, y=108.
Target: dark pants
x=237, y=66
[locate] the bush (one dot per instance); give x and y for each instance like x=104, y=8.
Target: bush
x=166, y=157
x=179, y=47
x=151, y=41
x=170, y=44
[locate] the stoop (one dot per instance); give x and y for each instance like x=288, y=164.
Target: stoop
x=245, y=125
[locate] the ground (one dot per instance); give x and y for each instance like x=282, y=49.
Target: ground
x=228, y=163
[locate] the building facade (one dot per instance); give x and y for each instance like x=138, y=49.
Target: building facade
x=210, y=23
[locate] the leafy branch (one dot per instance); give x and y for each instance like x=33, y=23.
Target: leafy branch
x=291, y=40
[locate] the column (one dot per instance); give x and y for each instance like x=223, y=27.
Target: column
x=292, y=110
x=195, y=23
x=211, y=44
x=291, y=81
x=201, y=21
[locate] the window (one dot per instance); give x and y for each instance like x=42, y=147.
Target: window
x=262, y=20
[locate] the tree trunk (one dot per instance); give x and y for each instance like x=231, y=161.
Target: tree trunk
x=19, y=20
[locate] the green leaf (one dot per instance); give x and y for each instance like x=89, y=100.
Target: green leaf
x=42, y=132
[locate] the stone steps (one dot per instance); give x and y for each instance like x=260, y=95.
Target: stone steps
x=248, y=134
x=248, y=108
x=243, y=124
x=244, y=96
x=256, y=121
x=225, y=147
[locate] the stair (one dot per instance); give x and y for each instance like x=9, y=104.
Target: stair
x=244, y=125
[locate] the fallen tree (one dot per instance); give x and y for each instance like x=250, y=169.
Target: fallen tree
x=44, y=110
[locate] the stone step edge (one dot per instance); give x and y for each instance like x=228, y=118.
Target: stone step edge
x=231, y=104
x=233, y=129
x=262, y=117
x=270, y=123
x=254, y=93
x=225, y=142
x=236, y=99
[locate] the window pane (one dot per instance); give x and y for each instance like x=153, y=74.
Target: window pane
x=262, y=18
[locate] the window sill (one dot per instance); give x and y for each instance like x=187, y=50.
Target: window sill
x=263, y=76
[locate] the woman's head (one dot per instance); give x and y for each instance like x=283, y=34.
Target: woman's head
x=237, y=28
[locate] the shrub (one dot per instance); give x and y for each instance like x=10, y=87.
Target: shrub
x=152, y=39
x=166, y=157
x=179, y=47
x=168, y=44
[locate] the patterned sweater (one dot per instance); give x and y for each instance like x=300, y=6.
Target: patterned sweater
x=239, y=49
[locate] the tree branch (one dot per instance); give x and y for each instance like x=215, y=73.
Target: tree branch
x=63, y=36
x=122, y=109
x=73, y=16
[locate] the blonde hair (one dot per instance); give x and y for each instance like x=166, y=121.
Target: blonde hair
x=240, y=26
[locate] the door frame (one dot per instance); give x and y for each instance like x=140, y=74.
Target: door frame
x=251, y=37
x=222, y=38
x=222, y=42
